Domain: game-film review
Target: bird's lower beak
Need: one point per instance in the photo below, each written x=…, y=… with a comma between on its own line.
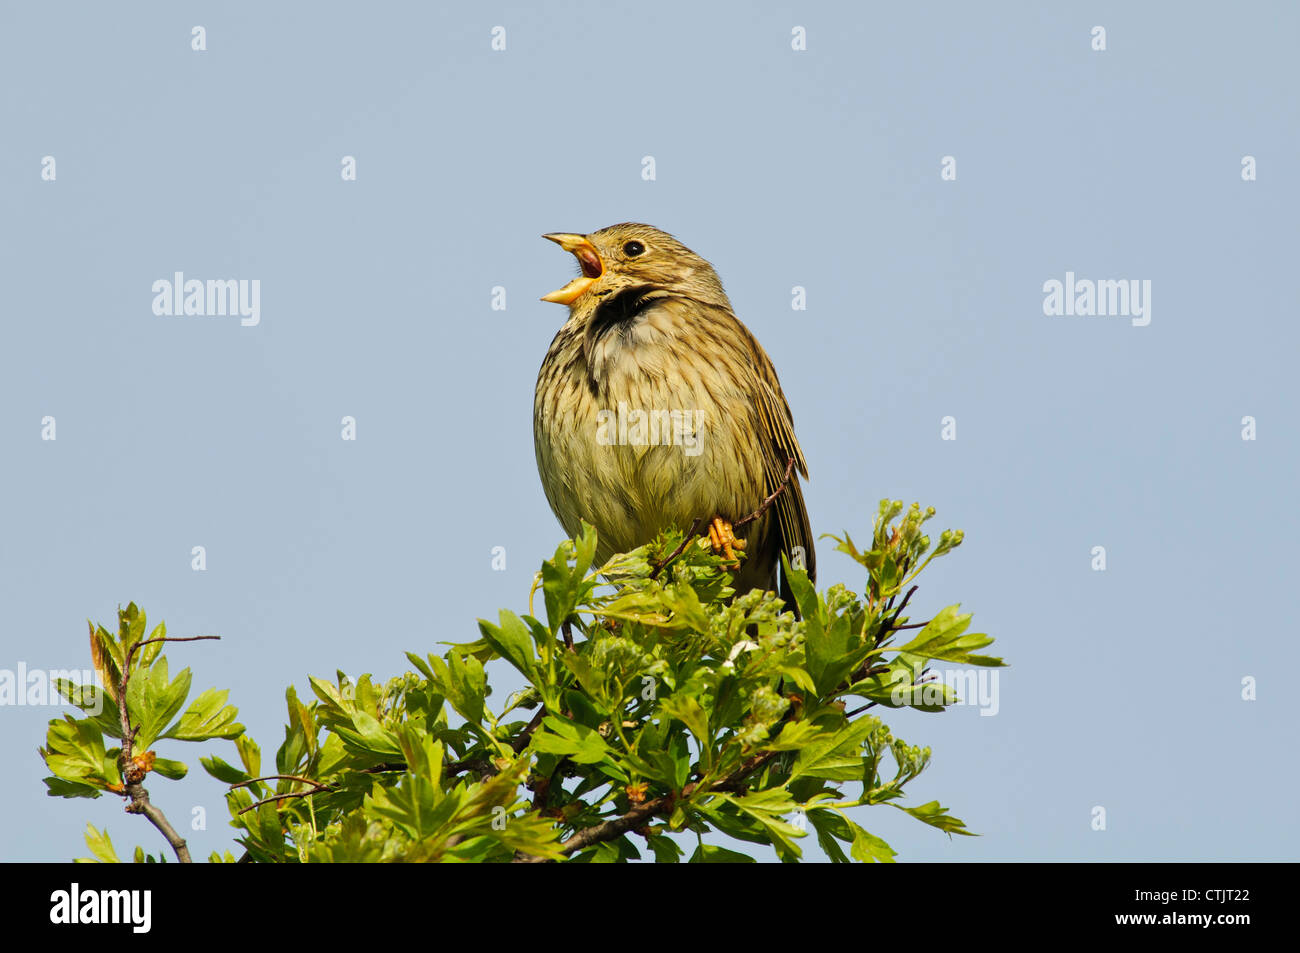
x=592, y=268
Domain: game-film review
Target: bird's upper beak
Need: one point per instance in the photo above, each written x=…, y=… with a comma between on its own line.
x=592, y=267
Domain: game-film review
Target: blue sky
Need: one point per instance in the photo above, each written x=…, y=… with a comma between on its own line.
x=818, y=168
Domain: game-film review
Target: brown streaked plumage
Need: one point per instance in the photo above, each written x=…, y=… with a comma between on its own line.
x=651, y=329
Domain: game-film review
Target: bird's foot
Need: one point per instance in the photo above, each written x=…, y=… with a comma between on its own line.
x=724, y=541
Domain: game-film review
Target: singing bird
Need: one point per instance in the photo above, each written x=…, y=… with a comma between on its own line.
x=656, y=406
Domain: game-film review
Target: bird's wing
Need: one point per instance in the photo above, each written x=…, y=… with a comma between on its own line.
x=778, y=449
x=791, y=514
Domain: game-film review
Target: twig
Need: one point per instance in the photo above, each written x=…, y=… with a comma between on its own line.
x=919, y=680
x=386, y=766
x=771, y=497
x=890, y=625
x=320, y=785
x=543, y=789
x=126, y=667
x=700, y=522
x=520, y=741
x=609, y=830
x=132, y=774
x=616, y=827
x=690, y=534
x=140, y=804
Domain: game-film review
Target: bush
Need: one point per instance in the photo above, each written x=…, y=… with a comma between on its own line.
x=656, y=704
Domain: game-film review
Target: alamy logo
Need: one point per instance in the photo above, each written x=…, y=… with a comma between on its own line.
x=44, y=686
x=1105, y=297
x=955, y=686
x=633, y=427
x=216, y=296
x=134, y=907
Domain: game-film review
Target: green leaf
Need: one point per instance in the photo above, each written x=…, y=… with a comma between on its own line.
x=690, y=713
x=511, y=641
x=461, y=681
x=936, y=816
x=769, y=808
x=831, y=828
x=582, y=710
x=101, y=845
x=713, y=854
x=170, y=769
x=584, y=549
x=423, y=666
x=825, y=646
x=61, y=787
x=207, y=717
x=558, y=589
x=154, y=700
x=810, y=605
x=250, y=755
x=269, y=831
x=671, y=767
x=95, y=701
x=798, y=735
x=799, y=676
x=565, y=588
x=74, y=751
x=868, y=848
x=838, y=757
x=372, y=736
x=665, y=849
x=414, y=804
x=684, y=608
x=223, y=772
x=942, y=639
x=895, y=689
x=578, y=742
x=846, y=545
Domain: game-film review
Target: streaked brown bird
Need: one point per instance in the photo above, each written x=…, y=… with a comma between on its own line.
x=656, y=407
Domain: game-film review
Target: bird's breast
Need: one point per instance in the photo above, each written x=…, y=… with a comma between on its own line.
x=642, y=432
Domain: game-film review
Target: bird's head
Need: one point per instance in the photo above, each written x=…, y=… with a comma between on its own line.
x=631, y=256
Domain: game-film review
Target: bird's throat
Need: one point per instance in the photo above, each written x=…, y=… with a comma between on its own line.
x=623, y=307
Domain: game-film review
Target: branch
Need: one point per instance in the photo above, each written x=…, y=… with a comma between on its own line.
x=891, y=625
x=317, y=786
x=385, y=766
x=613, y=828
x=893, y=619
x=280, y=777
x=616, y=827
x=771, y=498
x=690, y=534
x=133, y=771
x=140, y=804
x=701, y=521
x=520, y=741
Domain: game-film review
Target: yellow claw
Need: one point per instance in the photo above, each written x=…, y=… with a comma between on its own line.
x=724, y=542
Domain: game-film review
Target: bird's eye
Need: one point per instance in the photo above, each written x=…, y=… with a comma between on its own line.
x=632, y=249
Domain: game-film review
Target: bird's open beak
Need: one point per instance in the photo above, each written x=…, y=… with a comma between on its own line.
x=592, y=268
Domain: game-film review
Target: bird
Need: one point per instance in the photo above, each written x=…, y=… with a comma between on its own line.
x=656, y=408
